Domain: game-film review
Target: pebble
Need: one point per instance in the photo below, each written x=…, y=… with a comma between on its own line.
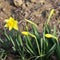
x=18, y=3
x=58, y=4
x=37, y=1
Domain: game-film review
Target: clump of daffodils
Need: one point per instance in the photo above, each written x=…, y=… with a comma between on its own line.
x=11, y=23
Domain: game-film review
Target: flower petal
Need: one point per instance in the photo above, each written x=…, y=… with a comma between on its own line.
x=15, y=27
x=10, y=28
x=6, y=25
x=6, y=20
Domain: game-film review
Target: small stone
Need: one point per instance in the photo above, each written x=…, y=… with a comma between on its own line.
x=58, y=4
x=33, y=0
x=37, y=1
x=18, y=2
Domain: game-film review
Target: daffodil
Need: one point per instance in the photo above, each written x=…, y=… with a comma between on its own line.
x=48, y=35
x=51, y=13
x=28, y=33
x=11, y=23
x=32, y=35
x=25, y=33
x=51, y=36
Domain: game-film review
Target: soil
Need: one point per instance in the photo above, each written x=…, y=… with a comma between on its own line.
x=35, y=10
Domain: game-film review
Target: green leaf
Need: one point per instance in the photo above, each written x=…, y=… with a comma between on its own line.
x=19, y=39
x=51, y=50
x=32, y=23
x=1, y=41
x=28, y=47
x=12, y=41
x=6, y=35
x=58, y=50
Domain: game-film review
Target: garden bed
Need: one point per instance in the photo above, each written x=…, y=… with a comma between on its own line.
x=32, y=10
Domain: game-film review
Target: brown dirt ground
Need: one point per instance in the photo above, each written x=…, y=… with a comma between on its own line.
x=35, y=10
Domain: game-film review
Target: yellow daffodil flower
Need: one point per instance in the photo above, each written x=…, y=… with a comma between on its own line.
x=25, y=33
x=28, y=33
x=51, y=13
x=48, y=35
x=11, y=23
x=51, y=36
